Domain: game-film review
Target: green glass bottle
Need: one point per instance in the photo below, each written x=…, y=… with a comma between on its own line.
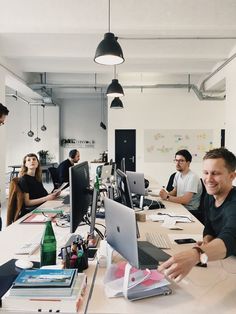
x=96, y=184
x=48, y=247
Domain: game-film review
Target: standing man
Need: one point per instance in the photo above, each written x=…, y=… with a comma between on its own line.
x=63, y=168
x=219, y=234
x=187, y=185
x=3, y=113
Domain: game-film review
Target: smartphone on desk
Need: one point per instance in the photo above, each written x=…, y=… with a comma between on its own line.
x=185, y=241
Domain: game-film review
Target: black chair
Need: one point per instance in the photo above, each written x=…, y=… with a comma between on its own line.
x=169, y=186
x=200, y=212
x=55, y=178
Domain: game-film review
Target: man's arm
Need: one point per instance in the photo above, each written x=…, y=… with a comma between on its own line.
x=171, y=196
x=180, y=264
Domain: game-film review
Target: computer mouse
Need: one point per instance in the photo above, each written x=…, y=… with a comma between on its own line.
x=23, y=264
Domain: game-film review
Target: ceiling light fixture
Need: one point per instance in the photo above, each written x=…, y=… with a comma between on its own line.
x=37, y=139
x=102, y=124
x=30, y=133
x=116, y=103
x=109, y=51
x=115, y=89
x=43, y=127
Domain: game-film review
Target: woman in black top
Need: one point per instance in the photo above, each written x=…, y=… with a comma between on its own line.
x=30, y=182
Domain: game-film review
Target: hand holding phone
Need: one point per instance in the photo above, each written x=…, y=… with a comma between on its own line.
x=185, y=241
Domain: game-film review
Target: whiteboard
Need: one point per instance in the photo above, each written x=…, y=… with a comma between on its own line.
x=161, y=145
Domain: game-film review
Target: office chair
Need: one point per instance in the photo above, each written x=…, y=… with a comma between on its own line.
x=169, y=186
x=200, y=212
x=15, y=203
x=55, y=178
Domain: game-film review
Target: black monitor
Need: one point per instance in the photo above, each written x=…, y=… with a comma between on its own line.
x=93, y=212
x=124, y=192
x=80, y=195
x=122, y=165
x=123, y=188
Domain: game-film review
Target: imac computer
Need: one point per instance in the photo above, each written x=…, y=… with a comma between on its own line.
x=80, y=194
x=137, y=185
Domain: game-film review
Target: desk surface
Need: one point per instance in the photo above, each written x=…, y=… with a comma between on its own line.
x=19, y=233
x=202, y=291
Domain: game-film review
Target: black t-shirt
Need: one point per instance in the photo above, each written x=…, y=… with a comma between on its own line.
x=29, y=184
x=63, y=171
x=221, y=221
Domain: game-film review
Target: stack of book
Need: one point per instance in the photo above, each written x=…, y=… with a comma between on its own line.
x=56, y=290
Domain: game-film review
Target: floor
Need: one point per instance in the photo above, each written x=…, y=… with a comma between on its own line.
x=48, y=187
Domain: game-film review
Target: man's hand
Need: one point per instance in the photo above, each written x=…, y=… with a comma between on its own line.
x=163, y=194
x=179, y=265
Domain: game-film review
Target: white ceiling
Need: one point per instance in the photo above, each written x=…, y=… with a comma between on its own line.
x=59, y=38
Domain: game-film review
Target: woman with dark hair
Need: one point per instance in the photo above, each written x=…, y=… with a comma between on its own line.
x=30, y=182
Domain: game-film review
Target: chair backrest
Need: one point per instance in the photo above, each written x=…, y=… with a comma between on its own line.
x=201, y=207
x=169, y=186
x=54, y=176
x=15, y=201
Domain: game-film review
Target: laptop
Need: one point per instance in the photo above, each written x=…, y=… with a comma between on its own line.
x=106, y=172
x=122, y=237
x=136, y=182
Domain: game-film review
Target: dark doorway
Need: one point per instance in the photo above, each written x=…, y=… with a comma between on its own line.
x=125, y=147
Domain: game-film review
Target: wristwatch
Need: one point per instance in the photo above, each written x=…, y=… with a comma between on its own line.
x=203, y=255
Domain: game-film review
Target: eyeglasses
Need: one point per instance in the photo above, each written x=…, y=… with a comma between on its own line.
x=180, y=161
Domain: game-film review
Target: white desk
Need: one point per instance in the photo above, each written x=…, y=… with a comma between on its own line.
x=19, y=233
x=204, y=290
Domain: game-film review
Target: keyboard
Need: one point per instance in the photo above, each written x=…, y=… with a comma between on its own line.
x=159, y=240
x=28, y=248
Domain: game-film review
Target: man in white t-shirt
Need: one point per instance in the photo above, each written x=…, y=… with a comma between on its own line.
x=187, y=185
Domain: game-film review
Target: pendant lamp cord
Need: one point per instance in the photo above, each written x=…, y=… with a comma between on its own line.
x=109, y=16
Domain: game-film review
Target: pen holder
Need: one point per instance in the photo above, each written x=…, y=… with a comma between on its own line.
x=75, y=256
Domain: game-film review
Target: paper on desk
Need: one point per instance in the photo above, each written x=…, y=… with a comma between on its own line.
x=51, y=204
x=174, y=236
x=177, y=218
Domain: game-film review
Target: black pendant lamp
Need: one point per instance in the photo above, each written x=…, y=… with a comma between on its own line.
x=37, y=139
x=115, y=89
x=116, y=103
x=30, y=133
x=43, y=127
x=109, y=51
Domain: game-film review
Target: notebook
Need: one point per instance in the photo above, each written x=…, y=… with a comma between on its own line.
x=122, y=237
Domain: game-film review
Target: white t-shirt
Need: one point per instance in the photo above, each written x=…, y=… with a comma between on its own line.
x=189, y=182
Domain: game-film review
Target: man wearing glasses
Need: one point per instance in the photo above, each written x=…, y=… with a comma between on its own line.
x=3, y=113
x=187, y=185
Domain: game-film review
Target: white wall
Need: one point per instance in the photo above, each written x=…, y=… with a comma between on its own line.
x=231, y=106
x=80, y=119
x=18, y=143
x=164, y=109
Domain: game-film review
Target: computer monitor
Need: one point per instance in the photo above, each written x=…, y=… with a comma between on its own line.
x=123, y=188
x=80, y=195
x=93, y=212
x=106, y=172
x=122, y=165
